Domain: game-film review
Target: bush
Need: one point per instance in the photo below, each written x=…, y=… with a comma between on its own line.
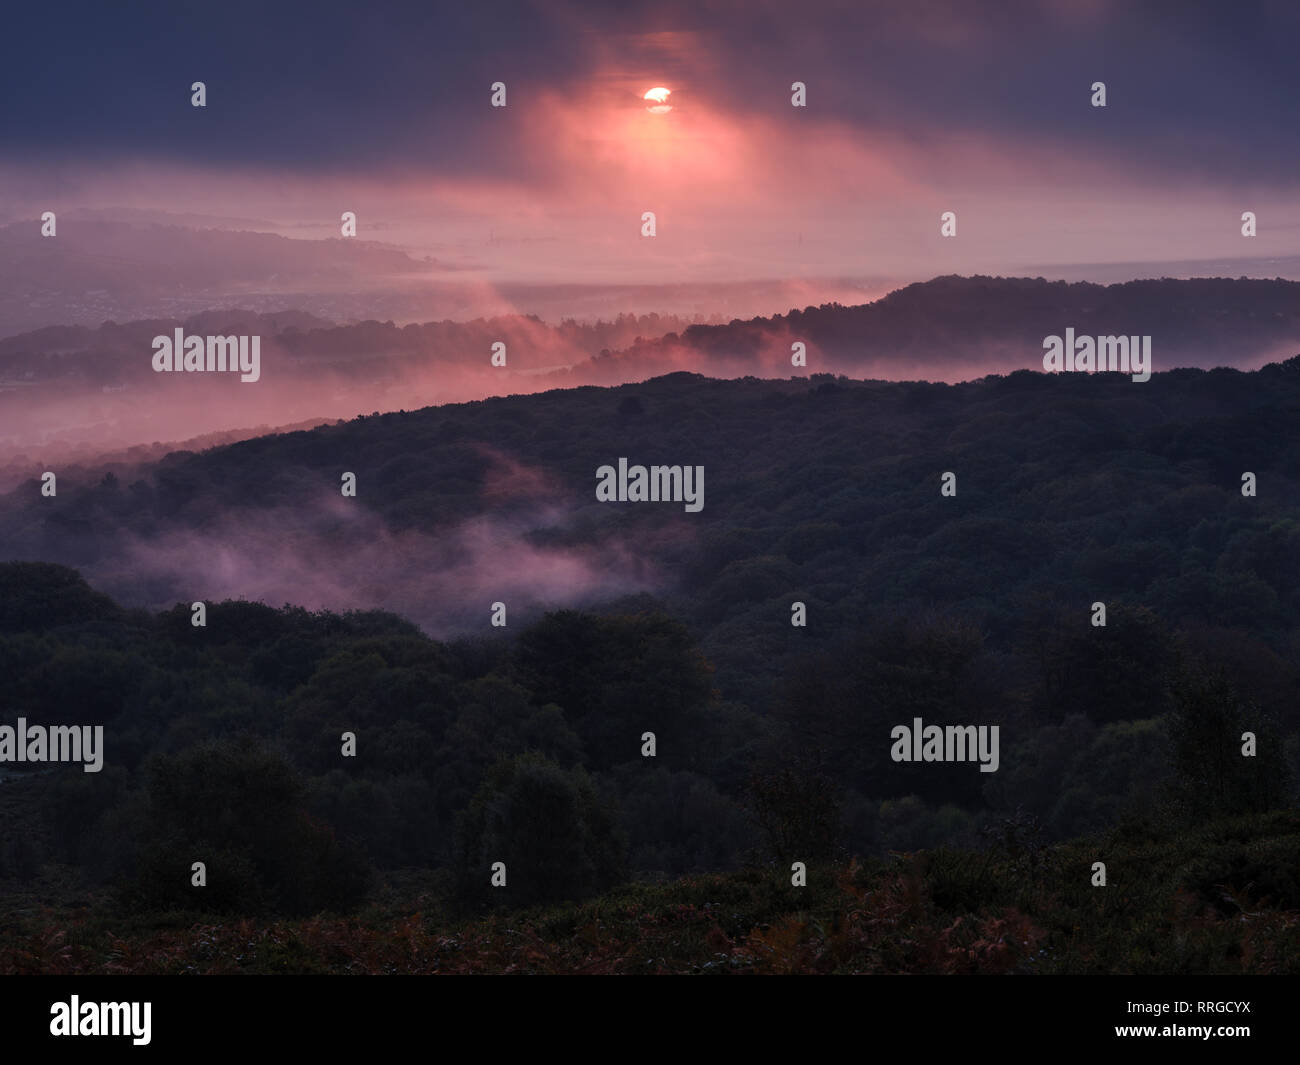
x=1211, y=776
x=545, y=823
x=239, y=809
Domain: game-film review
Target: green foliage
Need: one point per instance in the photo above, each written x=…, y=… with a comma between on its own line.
x=36, y=596
x=1211, y=775
x=678, y=821
x=546, y=824
x=239, y=809
x=1078, y=777
x=972, y=609
x=1177, y=902
x=840, y=705
x=617, y=677
x=797, y=810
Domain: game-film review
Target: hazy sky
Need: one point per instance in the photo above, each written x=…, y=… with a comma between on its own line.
x=914, y=107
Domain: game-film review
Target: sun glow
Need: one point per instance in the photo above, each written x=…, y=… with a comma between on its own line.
x=658, y=98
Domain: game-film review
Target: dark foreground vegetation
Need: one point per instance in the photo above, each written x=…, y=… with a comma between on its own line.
x=1222, y=898
x=380, y=863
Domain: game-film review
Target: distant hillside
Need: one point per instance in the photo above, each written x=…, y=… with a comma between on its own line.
x=68, y=389
x=65, y=390
x=122, y=265
x=93, y=270
x=956, y=328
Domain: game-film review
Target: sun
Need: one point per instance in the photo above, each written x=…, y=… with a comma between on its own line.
x=658, y=98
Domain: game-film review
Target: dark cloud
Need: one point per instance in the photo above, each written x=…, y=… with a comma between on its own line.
x=1197, y=89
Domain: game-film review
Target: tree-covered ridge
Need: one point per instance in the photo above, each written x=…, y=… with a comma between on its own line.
x=773, y=741
x=953, y=328
x=1071, y=490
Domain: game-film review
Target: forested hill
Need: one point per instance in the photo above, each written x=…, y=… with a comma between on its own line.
x=955, y=328
x=1069, y=489
x=976, y=607
x=948, y=328
x=68, y=391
